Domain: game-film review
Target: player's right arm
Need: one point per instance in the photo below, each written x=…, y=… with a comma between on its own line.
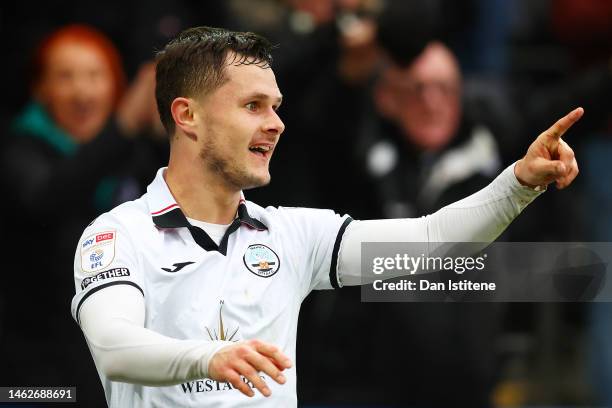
x=110, y=308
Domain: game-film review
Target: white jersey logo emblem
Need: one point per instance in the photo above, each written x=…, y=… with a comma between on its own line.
x=261, y=260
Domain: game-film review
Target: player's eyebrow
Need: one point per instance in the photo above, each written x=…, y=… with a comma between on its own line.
x=263, y=96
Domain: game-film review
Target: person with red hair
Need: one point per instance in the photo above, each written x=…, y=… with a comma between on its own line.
x=71, y=153
x=78, y=78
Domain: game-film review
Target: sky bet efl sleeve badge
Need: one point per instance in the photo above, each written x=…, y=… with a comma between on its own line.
x=97, y=251
x=261, y=260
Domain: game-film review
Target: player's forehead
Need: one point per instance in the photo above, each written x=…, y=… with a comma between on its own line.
x=246, y=79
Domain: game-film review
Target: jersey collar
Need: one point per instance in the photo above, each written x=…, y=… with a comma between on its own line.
x=166, y=213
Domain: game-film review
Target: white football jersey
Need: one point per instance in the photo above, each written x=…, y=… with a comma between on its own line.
x=249, y=286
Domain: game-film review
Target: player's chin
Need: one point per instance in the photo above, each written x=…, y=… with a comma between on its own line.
x=258, y=180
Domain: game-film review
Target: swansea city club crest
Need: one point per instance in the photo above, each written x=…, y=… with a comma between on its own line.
x=261, y=260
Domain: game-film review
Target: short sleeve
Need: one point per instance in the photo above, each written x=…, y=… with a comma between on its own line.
x=320, y=234
x=105, y=256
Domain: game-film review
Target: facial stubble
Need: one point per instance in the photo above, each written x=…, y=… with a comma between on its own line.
x=225, y=167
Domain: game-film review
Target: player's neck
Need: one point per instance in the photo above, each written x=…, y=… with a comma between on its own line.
x=201, y=199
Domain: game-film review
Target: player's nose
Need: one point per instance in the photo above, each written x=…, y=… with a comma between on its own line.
x=274, y=124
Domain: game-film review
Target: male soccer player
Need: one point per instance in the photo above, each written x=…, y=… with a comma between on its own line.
x=189, y=296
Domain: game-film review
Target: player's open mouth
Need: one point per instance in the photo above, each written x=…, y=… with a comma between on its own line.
x=262, y=150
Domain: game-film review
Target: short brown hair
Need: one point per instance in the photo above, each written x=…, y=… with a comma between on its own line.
x=194, y=63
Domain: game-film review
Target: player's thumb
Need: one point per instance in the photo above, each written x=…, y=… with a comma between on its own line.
x=550, y=168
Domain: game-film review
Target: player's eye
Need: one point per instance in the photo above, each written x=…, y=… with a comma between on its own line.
x=252, y=106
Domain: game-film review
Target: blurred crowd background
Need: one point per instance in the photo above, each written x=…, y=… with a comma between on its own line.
x=393, y=108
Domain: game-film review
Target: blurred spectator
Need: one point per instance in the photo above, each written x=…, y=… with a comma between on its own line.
x=420, y=149
x=412, y=157
x=67, y=158
x=414, y=151
x=432, y=144
x=137, y=27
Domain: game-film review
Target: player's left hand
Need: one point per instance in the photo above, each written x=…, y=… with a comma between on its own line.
x=549, y=158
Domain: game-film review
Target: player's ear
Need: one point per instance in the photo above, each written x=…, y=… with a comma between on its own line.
x=183, y=113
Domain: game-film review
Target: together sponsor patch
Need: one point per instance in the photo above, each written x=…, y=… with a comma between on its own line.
x=97, y=251
x=109, y=274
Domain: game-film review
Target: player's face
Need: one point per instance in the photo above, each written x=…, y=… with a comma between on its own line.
x=77, y=89
x=240, y=126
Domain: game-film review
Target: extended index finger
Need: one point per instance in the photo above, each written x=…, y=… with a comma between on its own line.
x=560, y=127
